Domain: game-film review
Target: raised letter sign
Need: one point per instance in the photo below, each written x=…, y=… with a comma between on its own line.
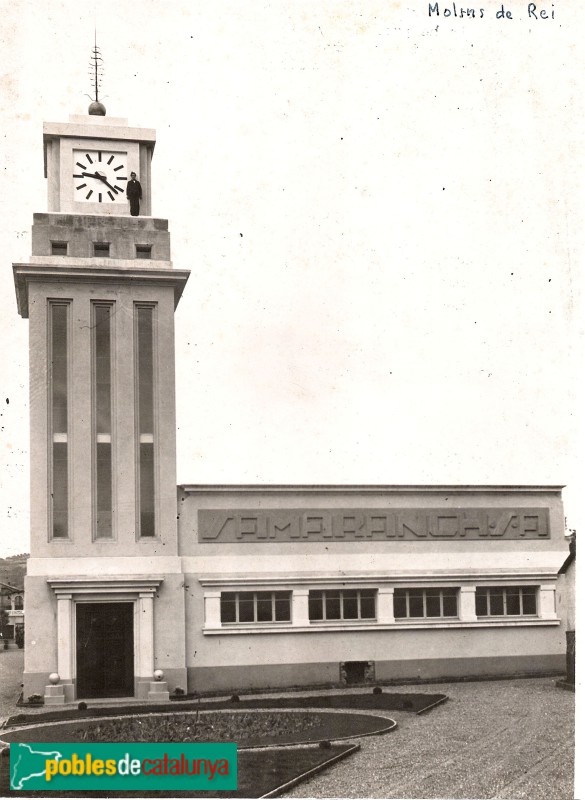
x=373, y=524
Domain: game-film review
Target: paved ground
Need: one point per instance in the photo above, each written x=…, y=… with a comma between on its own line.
x=500, y=739
x=11, y=665
x=493, y=739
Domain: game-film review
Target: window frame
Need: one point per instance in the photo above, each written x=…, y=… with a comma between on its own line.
x=340, y=592
x=533, y=589
x=144, y=252
x=408, y=617
x=255, y=593
x=101, y=249
x=59, y=247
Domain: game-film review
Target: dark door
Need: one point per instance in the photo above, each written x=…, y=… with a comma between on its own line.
x=105, y=649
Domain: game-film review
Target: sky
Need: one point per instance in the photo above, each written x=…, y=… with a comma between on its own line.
x=382, y=212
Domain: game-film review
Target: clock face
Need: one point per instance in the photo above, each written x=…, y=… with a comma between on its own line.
x=99, y=176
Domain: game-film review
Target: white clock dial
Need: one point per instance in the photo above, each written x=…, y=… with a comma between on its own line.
x=99, y=176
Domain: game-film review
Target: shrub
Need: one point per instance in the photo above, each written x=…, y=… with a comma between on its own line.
x=325, y=744
x=179, y=692
x=35, y=699
x=377, y=690
x=82, y=706
x=235, y=698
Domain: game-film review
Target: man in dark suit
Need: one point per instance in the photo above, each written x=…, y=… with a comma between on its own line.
x=134, y=194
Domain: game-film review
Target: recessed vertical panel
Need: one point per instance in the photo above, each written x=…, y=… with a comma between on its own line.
x=146, y=488
x=59, y=418
x=102, y=420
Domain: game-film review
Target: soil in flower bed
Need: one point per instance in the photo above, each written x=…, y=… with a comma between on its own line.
x=210, y=727
x=259, y=773
x=386, y=701
x=247, y=728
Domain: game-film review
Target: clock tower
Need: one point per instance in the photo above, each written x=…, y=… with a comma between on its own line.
x=100, y=291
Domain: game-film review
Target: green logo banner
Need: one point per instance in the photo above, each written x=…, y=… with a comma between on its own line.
x=59, y=767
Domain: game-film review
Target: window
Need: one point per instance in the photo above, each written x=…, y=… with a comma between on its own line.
x=58, y=248
x=505, y=601
x=425, y=603
x=143, y=251
x=342, y=604
x=58, y=415
x=101, y=249
x=250, y=607
x=18, y=605
x=102, y=417
x=144, y=342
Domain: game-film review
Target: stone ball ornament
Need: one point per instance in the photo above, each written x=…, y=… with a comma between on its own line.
x=54, y=678
x=158, y=674
x=97, y=109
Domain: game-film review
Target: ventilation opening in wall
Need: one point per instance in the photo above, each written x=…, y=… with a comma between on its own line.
x=58, y=248
x=101, y=249
x=357, y=672
x=143, y=251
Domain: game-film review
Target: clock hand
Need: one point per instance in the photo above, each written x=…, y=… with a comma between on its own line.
x=99, y=177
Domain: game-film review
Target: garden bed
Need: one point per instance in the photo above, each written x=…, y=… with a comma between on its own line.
x=247, y=728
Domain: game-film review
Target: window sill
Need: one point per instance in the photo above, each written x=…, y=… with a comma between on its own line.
x=322, y=627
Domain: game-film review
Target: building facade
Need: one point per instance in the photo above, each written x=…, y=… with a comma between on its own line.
x=228, y=587
x=11, y=613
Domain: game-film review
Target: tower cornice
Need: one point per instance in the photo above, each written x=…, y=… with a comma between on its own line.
x=124, y=272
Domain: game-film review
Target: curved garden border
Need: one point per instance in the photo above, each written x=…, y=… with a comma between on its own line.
x=52, y=731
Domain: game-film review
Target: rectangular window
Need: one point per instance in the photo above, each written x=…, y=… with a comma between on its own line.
x=58, y=248
x=144, y=339
x=143, y=251
x=101, y=249
x=59, y=413
x=505, y=601
x=342, y=604
x=102, y=420
x=251, y=607
x=425, y=603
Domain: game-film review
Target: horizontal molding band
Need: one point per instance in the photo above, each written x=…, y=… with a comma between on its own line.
x=457, y=579
x=368, y=488
x=398, y=626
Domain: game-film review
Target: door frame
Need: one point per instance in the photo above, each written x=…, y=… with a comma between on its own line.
x=139, y=591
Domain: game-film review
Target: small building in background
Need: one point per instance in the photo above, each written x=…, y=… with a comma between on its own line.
x=567, y=604
x=11, y=612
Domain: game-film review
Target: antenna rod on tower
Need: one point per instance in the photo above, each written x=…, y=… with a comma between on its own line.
x=95, y=72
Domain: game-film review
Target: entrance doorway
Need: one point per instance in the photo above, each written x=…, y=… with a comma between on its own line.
x=105, y=649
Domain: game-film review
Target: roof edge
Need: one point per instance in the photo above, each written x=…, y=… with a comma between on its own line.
x=370, y=488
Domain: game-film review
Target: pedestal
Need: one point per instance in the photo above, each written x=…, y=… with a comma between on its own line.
x=158, y=691
x=54, y=695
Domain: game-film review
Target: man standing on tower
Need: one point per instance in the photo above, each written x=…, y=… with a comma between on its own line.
x=134, y=194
